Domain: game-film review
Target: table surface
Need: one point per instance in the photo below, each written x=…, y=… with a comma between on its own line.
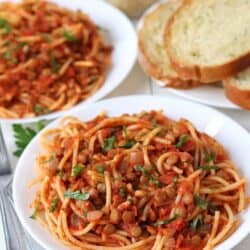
x=136, y=83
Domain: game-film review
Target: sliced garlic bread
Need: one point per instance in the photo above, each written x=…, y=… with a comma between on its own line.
x=208, y=40
x=237, y=89
x=152, y=54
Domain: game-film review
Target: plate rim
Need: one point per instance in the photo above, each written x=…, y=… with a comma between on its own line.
x=101, y=93
x=161, y=100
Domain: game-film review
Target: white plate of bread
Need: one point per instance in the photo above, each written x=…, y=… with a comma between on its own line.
x=199, y=49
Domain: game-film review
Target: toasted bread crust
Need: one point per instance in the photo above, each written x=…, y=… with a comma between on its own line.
x=238, y=96
x=197, y=72
x=152, y=69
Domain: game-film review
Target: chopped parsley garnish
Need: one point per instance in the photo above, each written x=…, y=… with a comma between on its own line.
x=9, y=56
x=60, y=173
x=4, y=24
x=210, y=157
x=54, y=63
x=100, y=169
x=33, y=216
x=196, y=222
x=147, y=174
x=109, y=143
x=175, y=179
x=54, y=205
x=199, y=202
x=77, y=169
x=122, y=192
x=77, y=195
x=207, y=167
x=69, y=36
x=166, y=222
x=128, y=144
x=23, y=135
x=40, y=109
x=93, y=79
x=50, y=159
x=182, y=140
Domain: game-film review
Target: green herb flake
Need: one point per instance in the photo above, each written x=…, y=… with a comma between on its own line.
x=40, y=109
x=175, y=179
x=92, y=80
x=77, y=169
x=100, y=169
x=166, y=222
x=54, y=63
x=182, y=140
x=4, y=24
x=60, y=173
x=128, y=144
x=9, y=56
x=199, y=202
x=196, y=223
x=122, y=192
x=147, y=174
x=77, y=195
x=50, y=159
x=23, y=135
x=109, y=143
x=208, y=167
x=125, y=132
x=210, y=157
x=33, y=216
x=54, y=205
x=69, y=36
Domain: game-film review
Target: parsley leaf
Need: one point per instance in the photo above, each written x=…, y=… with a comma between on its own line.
x=199, y=202
x=69, y=36
x=196, y=222
x=109, y=143
x=77, y=169
x=77, y=195
x=23, y=135
x=210, y=157
x=33, y=216
x=54, y=63
x=182, y=140
x=51, y=158
x=147, y=174
x=40, y=109
x=122, y=192
x=54, y=205
x=100, y=169
x=4, y=24
x=167, y=221
x=207, y=167
x=9, y=56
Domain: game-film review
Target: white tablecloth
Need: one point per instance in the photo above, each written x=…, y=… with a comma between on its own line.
x=136, y=83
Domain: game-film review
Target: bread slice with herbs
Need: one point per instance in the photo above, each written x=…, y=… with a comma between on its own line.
x=208, y=40
x=237, y=89
x=152, y=54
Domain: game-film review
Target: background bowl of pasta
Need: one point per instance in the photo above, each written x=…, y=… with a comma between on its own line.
x=60, y=55
x=219, y=190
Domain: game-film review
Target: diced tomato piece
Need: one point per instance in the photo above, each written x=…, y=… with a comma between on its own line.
x=178, y=224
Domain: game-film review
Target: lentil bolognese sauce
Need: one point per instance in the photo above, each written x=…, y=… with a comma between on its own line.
x=51, y=58
x=139, y=181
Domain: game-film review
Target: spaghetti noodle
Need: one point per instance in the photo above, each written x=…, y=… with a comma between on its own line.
x=50, y=58
x=137, y=182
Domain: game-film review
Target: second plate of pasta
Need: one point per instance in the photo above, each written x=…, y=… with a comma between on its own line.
x=60, y=55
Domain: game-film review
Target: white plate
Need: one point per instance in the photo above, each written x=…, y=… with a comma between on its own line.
x=210, y=95
x=224, y=129
x=121, y=35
